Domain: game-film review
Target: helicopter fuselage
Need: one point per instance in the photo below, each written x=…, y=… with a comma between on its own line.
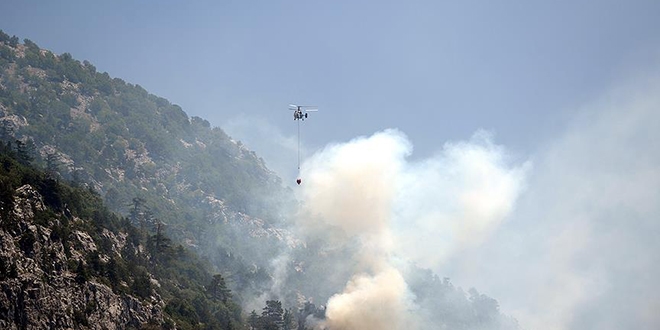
x=298, y=114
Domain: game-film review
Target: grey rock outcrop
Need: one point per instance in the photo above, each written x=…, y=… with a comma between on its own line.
x=39, y=286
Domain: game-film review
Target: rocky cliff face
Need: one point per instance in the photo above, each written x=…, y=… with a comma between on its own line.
x=213, y=193
x=40, y=286
x=139, y=151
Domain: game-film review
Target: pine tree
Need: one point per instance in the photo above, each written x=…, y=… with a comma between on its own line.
x=253, y=320
x=218, y=289
x=273, y=315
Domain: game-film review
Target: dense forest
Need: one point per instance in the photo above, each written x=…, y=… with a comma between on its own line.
x=139, y=151
x=121, y=254
x=139, y=262
x=205, y=221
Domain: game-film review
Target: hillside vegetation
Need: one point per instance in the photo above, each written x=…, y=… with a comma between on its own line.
x=161, y=211
x=68, y=262
x=145, y=157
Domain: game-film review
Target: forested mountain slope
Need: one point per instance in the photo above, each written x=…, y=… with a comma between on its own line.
x=175, y=176
x=67, y=262
x=144, y=155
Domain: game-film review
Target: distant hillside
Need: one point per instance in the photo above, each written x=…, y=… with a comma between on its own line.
x=143, y=142
x=67, y=262
x=168, y=174
x=140, y=151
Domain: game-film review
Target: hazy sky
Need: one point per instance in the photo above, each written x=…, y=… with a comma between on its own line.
x=555, y=197
x=437, y=70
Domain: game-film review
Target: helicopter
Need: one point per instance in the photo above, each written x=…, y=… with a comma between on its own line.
x=300, y=112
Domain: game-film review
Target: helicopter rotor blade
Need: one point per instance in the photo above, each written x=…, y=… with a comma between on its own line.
x=303, y=107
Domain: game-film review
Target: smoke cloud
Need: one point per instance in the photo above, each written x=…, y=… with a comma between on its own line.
x=419, y=211
x=455, y=200
x=379, y=301
x=583, y=245
x=563, y=238
x=352, y=186
x=570, y=242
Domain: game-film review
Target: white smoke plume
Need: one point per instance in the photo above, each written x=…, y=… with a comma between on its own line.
x=456, y=199
x=568, y=243
x=392, y=208
x=352, y=186
x=379, y=301
x=582, y=246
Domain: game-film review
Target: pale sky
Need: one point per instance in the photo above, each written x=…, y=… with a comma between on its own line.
x=437, y=70
x=569, y=91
